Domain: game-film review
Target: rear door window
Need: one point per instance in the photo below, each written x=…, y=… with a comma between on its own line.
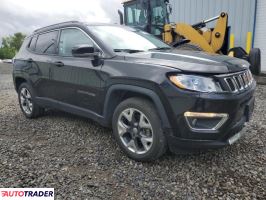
x=46, y=43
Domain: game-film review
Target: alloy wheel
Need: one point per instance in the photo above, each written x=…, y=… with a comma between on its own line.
x=26, y=101
x=135, y=130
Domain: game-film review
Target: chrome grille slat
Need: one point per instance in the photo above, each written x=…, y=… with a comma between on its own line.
x=238, y=82
x=244, y=80
x=249, y=77
x=235, y=83
x=241, y=82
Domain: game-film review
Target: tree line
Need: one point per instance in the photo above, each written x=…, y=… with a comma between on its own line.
x=10, y=45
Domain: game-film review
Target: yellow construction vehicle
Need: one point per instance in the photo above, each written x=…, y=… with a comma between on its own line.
x=206, y=39
x=152, y=16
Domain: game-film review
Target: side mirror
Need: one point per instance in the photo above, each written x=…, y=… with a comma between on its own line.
x=85, y=50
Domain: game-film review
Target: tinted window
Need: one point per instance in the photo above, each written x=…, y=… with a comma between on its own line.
x=33, y=43
x=70, y=38
x=46, y=43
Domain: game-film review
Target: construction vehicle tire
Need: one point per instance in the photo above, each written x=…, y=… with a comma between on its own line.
x=238, y=52
x=188, y=47
x=255, y=61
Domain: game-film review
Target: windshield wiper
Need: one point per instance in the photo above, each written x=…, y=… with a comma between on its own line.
x=128, y=50
x=160, y=48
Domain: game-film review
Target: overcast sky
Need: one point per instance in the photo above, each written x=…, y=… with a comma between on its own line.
x=28, y=15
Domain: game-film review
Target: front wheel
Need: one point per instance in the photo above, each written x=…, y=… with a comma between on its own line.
x=137, y=129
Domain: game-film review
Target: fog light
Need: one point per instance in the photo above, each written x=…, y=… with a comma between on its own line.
x=205, y=121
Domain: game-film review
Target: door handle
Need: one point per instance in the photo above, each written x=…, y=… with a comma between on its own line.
x=59, y=64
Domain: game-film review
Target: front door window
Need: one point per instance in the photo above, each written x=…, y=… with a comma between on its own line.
x=70, y=38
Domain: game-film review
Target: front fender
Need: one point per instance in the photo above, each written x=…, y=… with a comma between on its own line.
x=136, y=89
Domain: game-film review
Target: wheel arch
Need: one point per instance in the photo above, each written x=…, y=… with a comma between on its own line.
x=118, y=93
x=18, y=81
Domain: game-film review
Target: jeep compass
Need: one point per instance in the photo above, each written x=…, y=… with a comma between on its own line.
x=154, y=97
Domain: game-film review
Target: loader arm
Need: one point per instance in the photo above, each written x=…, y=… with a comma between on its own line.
x=218, y=33
x=208, y=40
x=194, y=36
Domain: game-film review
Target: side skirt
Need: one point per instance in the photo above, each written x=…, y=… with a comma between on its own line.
x=47, y=102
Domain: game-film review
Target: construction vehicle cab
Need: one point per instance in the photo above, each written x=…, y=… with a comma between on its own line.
x=152, y=16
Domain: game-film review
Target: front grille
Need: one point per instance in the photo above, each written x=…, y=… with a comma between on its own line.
x=238, y=82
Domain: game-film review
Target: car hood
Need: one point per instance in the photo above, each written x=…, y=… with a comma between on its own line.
x=190, y=61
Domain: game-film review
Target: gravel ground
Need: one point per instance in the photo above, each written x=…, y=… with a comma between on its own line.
x=81, y=160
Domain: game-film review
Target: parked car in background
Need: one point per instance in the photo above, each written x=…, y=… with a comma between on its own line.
x=1, y=61
x=7, y=61
x=153, y=96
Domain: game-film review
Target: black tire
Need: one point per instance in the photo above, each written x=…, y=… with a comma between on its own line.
x=36, y=110
x=255, y=61
x=188, y=47
x=158, y=146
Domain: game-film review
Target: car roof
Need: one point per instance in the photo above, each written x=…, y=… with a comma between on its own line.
x=82, y=25
x=69, y=23
x=55, y=26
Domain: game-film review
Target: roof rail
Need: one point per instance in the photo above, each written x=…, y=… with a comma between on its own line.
x=62, y=23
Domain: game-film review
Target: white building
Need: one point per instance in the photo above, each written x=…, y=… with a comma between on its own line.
x=246, y=17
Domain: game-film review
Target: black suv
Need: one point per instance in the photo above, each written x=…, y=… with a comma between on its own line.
x=153, y=96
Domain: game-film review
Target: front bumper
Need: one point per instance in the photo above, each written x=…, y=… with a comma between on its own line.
x=181, y=144
x=180, y=136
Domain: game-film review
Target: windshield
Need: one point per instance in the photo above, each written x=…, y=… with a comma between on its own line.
x=120, y=38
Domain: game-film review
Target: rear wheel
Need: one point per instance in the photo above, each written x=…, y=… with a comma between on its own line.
x=138, y=131
x=27, y=101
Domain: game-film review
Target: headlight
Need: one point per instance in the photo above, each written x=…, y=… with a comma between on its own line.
x=195, y=83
